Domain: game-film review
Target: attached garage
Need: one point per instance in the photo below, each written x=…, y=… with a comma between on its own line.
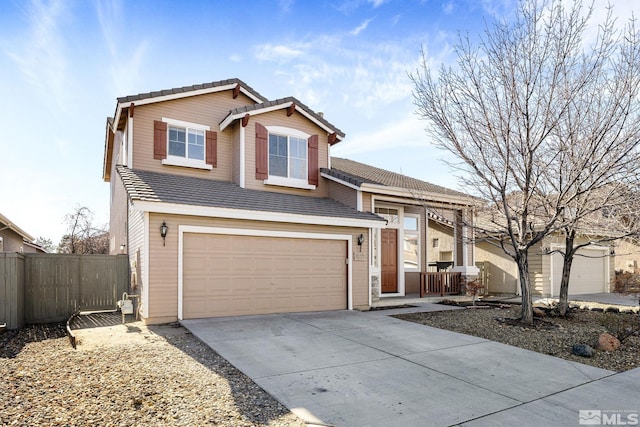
x=245, y=272
x=589, y=272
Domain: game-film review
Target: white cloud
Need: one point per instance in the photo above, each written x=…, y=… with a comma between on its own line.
x=41, y=53
x=408, y=132
x=360, y=28
x=377, y=3
x=126, y=58
x=285, y=5
x=235, y=58
x=448, y=7
x=279, y=52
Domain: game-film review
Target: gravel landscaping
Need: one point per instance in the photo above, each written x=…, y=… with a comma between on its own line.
x=126, y=375
x=162, y=375
x=552, y=335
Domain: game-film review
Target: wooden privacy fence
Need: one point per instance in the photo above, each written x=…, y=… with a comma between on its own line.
x=440, y=283
x=42, y=288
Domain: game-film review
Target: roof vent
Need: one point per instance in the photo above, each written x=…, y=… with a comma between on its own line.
x=321, y=114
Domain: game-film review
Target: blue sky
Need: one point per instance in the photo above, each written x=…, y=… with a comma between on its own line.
x=63, y=63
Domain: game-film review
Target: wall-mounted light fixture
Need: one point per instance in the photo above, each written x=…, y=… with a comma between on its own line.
x=360, y=241
x=122, y=247
x=163, y=232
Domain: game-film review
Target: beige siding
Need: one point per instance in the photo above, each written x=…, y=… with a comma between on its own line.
x=444, y=234
x=11, y=241
x=539, y=271
x=366, y=202
x=296, y=121
x=117, y=215
x=345, y=195
x=235, y=172
x=209, y=109
x=163, y=260
x=502, y=270
x=136, y=250
x=627, y=256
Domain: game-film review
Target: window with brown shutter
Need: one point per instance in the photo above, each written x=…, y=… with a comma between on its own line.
x=313, y=160
x=262, y=152
x=212, y=148
x=159, y=140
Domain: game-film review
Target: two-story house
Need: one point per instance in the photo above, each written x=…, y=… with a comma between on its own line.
x=230, y=204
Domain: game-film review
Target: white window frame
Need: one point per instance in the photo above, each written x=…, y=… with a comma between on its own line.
x=185, y=161
x=415, y=233
x=287, y=181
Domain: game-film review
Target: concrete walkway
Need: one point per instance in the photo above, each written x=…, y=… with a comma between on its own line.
x=347, y=368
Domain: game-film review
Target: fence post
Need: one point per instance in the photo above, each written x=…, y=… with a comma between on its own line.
x=12, y=290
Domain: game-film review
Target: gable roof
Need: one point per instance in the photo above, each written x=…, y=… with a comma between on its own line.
x=165, y=188
x=279, y=104
x=6, y=223
x=359, y=174
x=179, y=92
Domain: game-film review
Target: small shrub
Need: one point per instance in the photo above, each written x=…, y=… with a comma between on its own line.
x=622, y=326
x=474, y=288
x=626, y=282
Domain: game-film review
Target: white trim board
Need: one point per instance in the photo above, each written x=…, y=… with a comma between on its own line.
x=209, y=211
x=182, y=229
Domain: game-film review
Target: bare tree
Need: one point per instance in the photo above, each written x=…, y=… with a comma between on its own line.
x=45, y=244
x=536, y=119
x=82, y=236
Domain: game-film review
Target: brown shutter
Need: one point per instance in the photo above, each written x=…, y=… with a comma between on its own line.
x=262, y=152
x=313, y=160
x=159, y=140
x=212, y=148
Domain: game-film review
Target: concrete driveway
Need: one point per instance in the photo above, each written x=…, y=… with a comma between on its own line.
x=347, y=368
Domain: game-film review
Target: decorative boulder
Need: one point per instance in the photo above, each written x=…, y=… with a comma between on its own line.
x=582, y=350
x=537, y=312
x=607, y=342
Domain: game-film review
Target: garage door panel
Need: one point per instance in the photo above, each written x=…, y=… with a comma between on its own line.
x=226, y=275
x=588, y=272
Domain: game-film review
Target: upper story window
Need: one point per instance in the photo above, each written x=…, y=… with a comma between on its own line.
x=180, y=143
x=287, y=156
x=186, y=142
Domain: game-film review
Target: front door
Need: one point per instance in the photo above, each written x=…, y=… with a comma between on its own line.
x=389, y=237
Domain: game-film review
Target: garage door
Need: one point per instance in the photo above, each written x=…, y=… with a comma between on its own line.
x=232, y=275
x=588, y=272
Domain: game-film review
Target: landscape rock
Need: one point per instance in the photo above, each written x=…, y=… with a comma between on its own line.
x=537, y=312
x=607, y=342
x=582, y=350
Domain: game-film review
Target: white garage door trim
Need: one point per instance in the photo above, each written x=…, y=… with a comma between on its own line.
x=182, y=229
x=605, y=258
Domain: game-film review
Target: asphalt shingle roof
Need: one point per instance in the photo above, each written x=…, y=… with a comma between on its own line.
x=186, y=89
x=159, y=187
x=359, y=173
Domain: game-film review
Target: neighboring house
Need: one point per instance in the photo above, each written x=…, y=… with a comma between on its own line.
x=592, y=270
x=230, y=204
x=627, y=257
x=15, y=239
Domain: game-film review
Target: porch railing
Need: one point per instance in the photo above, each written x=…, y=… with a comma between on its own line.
x=440, y=283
